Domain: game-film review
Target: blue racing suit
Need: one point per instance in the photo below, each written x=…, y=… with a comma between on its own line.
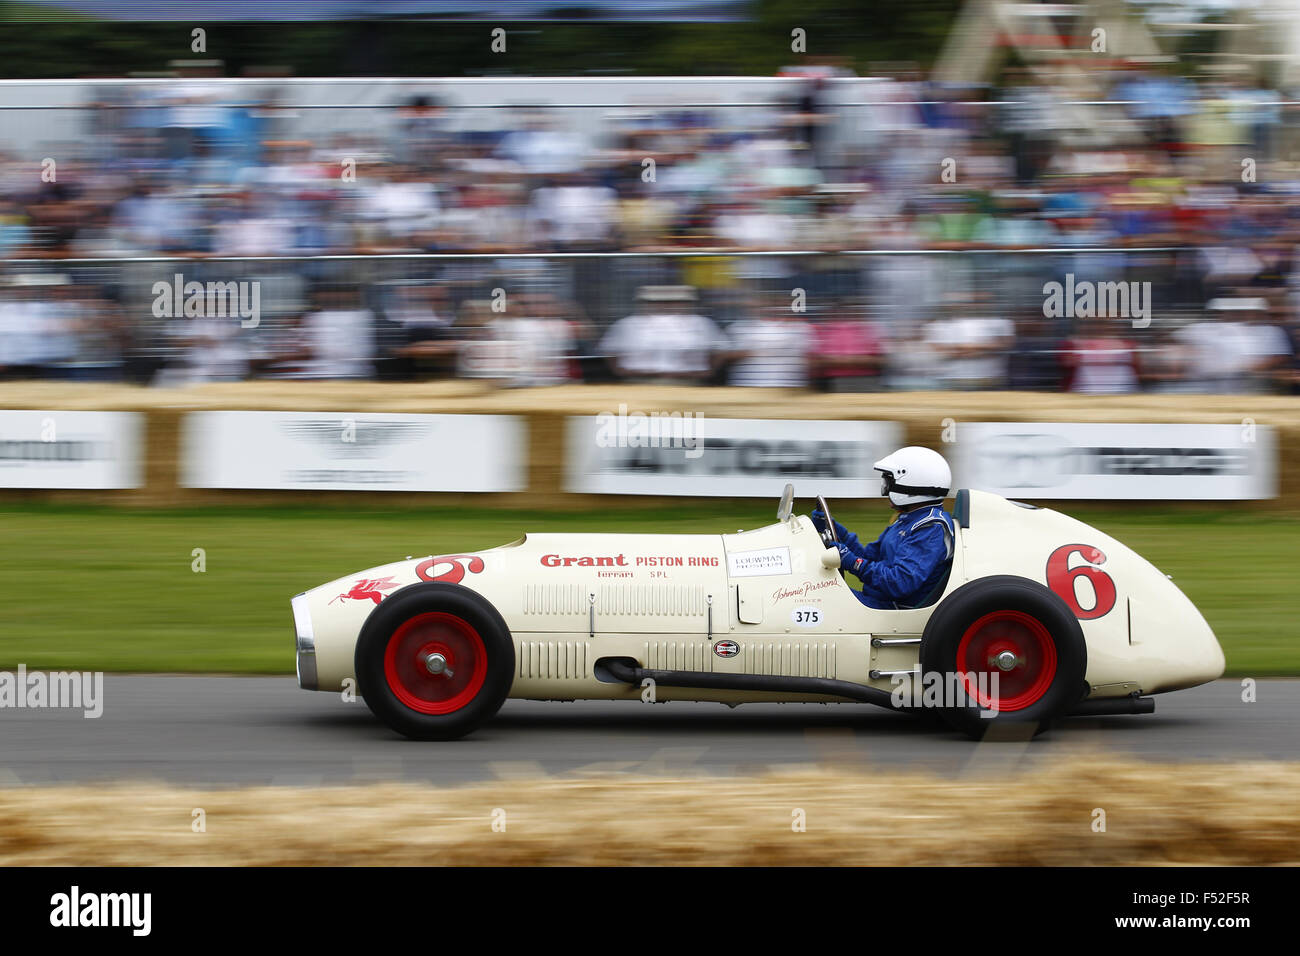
x=904, y=564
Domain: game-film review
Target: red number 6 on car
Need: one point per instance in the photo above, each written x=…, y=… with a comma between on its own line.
x=1062, y=579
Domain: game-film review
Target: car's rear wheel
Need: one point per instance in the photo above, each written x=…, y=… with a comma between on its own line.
x=434, y=661
x=1010, y=652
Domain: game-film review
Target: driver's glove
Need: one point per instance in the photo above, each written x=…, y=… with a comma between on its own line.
x=849, y=561
x=842, y=533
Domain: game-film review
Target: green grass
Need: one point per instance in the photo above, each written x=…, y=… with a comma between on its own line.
x=110, y=589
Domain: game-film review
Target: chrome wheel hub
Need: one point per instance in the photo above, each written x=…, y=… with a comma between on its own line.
x=1005, y=661
x=437, y=664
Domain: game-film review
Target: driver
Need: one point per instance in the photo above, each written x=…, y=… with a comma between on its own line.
x=901, y=567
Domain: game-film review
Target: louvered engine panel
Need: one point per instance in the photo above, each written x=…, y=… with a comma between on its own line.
x=789, y=658
x=552, y=660
x=679, y=655
x=622, y=608
x=651, y=600
x=554, y=599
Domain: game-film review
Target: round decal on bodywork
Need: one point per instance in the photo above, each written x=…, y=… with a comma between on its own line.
x=726, y=648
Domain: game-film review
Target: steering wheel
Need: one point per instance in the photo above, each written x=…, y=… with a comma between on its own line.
x=829, y=537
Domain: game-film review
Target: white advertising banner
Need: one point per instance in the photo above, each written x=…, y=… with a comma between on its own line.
x=343, y=451
x=637, y=454
x=59, y=449
x=1116, y=461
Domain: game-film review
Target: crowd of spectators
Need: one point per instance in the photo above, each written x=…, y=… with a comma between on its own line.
x=899, y=242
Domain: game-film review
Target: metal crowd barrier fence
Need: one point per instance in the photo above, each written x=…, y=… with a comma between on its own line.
x=900, y=289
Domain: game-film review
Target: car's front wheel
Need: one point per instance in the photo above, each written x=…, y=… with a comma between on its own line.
x=434, y=661
x=1011, y=651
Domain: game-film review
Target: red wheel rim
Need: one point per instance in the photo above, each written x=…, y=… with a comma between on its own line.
x=1023, y=677
x=455, y=648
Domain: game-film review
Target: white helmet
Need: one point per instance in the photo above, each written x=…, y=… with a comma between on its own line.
x=914, y=476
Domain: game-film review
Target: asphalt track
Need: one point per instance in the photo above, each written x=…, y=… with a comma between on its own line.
x=219, y=731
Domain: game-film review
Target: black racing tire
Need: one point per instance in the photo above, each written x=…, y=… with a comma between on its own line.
x=987, y=619
x=430, y=621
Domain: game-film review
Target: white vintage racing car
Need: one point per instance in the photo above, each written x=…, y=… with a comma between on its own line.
x=1040, y=616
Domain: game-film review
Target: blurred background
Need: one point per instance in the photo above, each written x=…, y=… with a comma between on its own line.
x=874, y=205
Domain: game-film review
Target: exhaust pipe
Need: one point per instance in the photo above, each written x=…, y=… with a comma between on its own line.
x=626, y=671
x=1105, y=706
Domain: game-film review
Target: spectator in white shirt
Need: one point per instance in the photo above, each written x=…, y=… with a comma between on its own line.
x=970, y=353
x=747, y=225
x=529, y=345
x=340, y=336
x=666, y=341
x=402, y=203
x=545, y=147
x=772, y=350
x=576, y=212
x=250, y=232
x=1230, y=352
